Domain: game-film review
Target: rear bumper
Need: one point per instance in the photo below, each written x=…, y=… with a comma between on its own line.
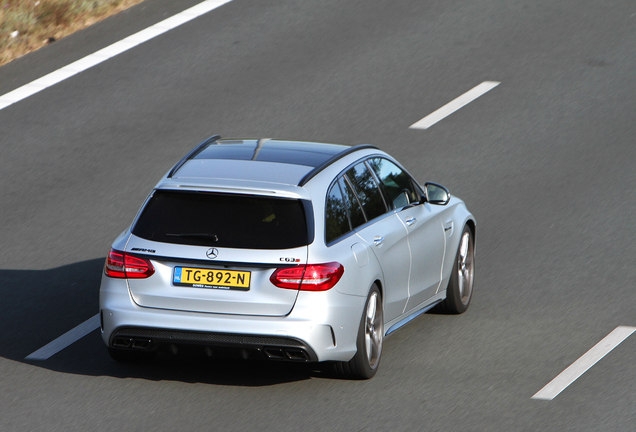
x=322, y=326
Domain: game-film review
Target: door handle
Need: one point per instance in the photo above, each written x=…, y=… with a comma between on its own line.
x=411, y=221
x=378, y=241
x=448, y=228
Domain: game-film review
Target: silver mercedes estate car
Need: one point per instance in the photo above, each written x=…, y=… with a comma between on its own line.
x=285, y=250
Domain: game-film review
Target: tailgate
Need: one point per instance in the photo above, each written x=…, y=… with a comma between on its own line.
x=236, y=281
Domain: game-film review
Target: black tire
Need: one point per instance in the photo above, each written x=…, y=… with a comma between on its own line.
x=129, y=356
x=366, y=361
x=460, y=286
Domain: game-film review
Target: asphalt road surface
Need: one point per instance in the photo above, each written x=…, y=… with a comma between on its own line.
x=546, y=161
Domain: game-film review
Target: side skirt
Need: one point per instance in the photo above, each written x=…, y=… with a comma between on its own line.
x=417, y=311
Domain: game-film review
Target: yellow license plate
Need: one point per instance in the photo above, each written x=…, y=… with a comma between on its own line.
x=211, y=278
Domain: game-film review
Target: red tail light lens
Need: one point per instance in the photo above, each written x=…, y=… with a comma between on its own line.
x=310, y=277
x=122, y=265
x=115, y=264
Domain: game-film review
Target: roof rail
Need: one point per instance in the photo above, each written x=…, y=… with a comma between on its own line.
x=315, y=171
x=195, y=151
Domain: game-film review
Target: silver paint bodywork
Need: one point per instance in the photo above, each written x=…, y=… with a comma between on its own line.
x=411, y=265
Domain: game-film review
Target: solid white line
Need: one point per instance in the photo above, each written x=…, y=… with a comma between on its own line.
x=110, y=51
x=454, y=105
x=589, y=359
x=66, y=339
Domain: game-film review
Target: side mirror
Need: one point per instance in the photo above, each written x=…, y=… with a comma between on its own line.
x=436, y=194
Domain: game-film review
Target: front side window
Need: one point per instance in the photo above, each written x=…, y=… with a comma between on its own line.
x=397, y=183
x=223, y=220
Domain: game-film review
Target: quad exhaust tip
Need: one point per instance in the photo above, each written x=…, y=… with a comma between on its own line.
x=133, y=343
x=295, y=354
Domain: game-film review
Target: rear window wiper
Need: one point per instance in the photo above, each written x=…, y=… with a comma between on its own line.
x=207, y=236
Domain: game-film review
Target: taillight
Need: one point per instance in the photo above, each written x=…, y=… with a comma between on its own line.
x=310, y=277
x=122, y=265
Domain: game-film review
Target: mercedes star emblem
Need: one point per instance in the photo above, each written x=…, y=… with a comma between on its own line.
x=212, y=253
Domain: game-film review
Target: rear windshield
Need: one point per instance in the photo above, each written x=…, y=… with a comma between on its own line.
x=234, y=221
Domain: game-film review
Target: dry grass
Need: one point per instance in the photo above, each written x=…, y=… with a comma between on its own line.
x=26, y=25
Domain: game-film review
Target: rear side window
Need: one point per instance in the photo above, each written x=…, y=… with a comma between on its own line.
x=343, y=211
x=234, y=221
x=356, y=215
x=367, y=191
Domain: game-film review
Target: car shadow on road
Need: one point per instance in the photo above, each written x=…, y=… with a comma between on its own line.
x=38, y=306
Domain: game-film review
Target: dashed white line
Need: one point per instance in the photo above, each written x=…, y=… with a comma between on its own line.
x=454, y=105
x=110, y=51
x=66, y=339
x=589, y=359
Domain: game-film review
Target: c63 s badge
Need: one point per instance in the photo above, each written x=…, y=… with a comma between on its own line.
x=290, y=260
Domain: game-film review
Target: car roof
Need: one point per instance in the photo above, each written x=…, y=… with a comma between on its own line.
x=260, y=160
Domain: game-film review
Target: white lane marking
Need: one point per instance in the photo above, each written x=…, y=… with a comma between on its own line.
x=454, y=105
x=589, y=359
x=110, y=51
x=65, y=340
